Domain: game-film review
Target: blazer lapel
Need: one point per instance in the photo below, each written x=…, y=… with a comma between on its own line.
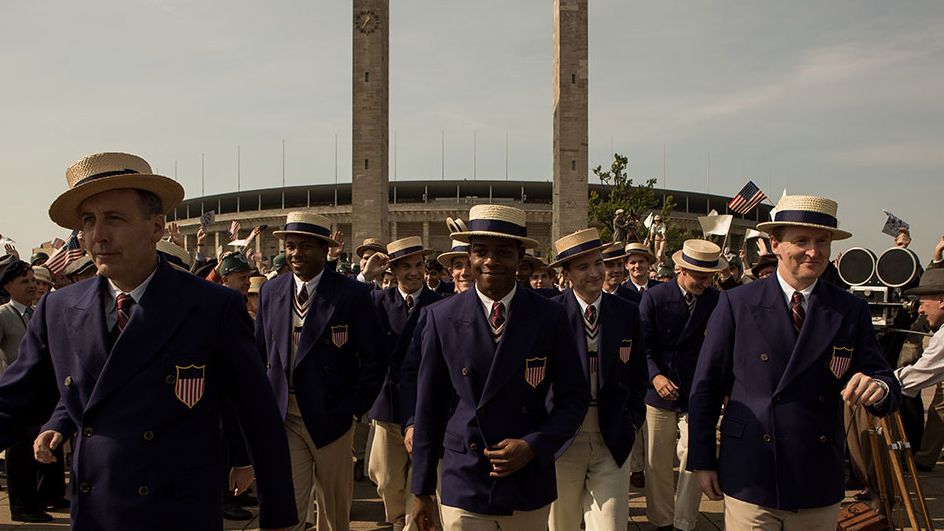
x=86, y=322
x=820, y=327
x=514, y=346
x=280, y=317
x=477, y=348
x=576, y=323
x=611, y=325
x=319, y=314
x=771, y=320
x=696, y=318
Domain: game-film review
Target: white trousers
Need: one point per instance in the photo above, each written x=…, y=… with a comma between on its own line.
x=666, y=504
x=591, y=487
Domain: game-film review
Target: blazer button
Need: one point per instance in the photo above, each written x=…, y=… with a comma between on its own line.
x=768, y=438
x=764, y=357
x=84, y=488
x=473, y=446
x=268, y=365
x=67, y=382
x=143, y=490
x=821, y=398
x=465, y=371
x=149, y=435
x=88, y=432
x=170, y=379
x=823, y=439
x=524, y=409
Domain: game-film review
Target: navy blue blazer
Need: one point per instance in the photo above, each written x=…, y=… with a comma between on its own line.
x=782, y=436
x=341, y=359
x=673, y=338
x=147, y=408
x=398, y=328
x=621, y=388
x=629, y=293
x=473, y=394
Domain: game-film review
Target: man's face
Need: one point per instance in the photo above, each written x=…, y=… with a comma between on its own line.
x=364, y=256
x=541, y=279
x=803, y=253
x=120, y=238
x=932, y=307
x=614, y=274
x=22, y=289
x=585, y=274
x=389, y=281
x=42, y=288
x=638, y=267
x=305, y=255
x=432, y=278
x=410, y=271
x=694, y=282
x=524, y=271
x=462, y=273
x=238, y=281
x=494, y=263
x=252, y=302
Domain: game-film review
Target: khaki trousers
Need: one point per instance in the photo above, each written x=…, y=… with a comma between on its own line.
x=743, y=516
x=666, y=505
x=329, y=469
x=637, y=456
x=455, y=519
x=933, y=439
x=590, y=487
x=389, y=467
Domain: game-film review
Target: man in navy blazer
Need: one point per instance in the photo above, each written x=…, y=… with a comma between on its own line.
x=490, y=357
x=674, y=316
x=399, y=308
x=639, y=260
x=139, y=363
x=784, y=352
x=593, y=471
x=321, y=337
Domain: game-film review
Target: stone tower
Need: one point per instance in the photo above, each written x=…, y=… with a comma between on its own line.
x=570, y=117
x=371, y=115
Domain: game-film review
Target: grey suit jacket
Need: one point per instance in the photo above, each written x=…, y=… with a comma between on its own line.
x=12, y=330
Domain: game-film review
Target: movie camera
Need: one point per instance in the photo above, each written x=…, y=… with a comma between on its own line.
x=881, y=281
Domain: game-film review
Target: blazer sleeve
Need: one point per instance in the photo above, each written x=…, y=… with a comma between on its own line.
x=871, y=362
x=60, y=421
x=409, y=373
x=434, y=394
x=640, y=371
x=371, y=353
x=712, y=376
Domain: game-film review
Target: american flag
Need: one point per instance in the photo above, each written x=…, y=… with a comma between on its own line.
x=233, y=230
x=72, y=250
x=746, y=199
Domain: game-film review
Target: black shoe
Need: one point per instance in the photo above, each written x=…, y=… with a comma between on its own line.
x=637, y=479
x=36, y=517
x=923, y=468
x=235, y=512
x=665, y=528
x=60, y=503
x=359, y=470
x=246, y=500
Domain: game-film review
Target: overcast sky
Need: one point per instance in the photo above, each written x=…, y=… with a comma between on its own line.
x=840, y=98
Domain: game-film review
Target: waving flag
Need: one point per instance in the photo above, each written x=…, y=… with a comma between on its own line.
x=749, y=197
x=72, y=250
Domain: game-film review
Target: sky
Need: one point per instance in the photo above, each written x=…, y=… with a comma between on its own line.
x=839, y=98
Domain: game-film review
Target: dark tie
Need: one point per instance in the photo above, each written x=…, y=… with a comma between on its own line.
x=797, y=311
x=303, y=295
x=590, y=322
x=497, y=319
x=409, y=302
x=690, y=302
x=642, y=289
x=123, y=304
x=28, y=314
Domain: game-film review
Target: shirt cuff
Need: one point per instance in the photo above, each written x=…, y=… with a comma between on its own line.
x=884, y=387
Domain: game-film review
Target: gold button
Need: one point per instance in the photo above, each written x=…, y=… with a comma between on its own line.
x=68, y=381
x=764, y=357
x=823, y=439
x=143, y=490
x=473, y=446
x=84, y=487
x=465, y=371
x=170, y=379
x=88, y=432
x=768, y=438
x=149, y=435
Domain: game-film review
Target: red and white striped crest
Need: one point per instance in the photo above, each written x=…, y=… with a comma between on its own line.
x=626, y=350
x=339, y=335
x=534, y=370
x=191, y=382
x=842, y=358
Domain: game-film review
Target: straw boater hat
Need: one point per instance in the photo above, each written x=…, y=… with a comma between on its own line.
x=78, y=266
x=614, y=251
x=308, y=224
x=102, y=172
x=370, y=243
x=536, y=261
x=405, y=247
x=700, y=255
x=173, y=250
x=640, y=248
x=458, y=249
x=806, y=211
x=255, y=283
x=576, y=244
x=497, y=220
x=42, y=274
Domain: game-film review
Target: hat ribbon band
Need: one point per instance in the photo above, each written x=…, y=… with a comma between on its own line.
x=613, y=254
x=297, y=226
x=461, y=248
x=697, y=262
x=405, y=251
x=126, y=171
x=805, y=216
x=497, y=225
x=576, y=249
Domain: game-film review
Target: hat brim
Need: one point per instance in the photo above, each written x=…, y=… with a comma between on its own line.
x=838, y=234
x=925, y=290
x=359, y=250
x=534, y=260
x=424, y=252
x=64, y=211
x=679, y=261
x=464, y=237
x=445, y=259
x=651, y=257
x=280, y=235
x=562, y=261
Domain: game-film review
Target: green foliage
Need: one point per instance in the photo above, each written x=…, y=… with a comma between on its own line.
x=635, y=199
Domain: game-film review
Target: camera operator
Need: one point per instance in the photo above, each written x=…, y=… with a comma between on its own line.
x=929, y=369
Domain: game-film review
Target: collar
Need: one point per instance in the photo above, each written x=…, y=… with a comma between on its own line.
x=583, y=305
x=20, y=308
x=415, y=294
x=487, y=302
x=788, y=290
x=679, y=284
x=137, y=293
x=638, y=286
x=310, y=286
x=608, y=291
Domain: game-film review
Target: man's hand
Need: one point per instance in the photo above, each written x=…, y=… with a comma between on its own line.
x=508, y=457
x=665, y=387
x=939, y=250
x=408, y=439
x=863, y=390
x=44, y=444
x=708, y=481
x=11, y=250
x=335, y=252
x=240, y=479
x=201, y=235
x=424, y=512
x=375, y=266
x=173, y=231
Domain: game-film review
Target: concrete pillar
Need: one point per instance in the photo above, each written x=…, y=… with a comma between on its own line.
x=426, y=233
x=370, y=150
x=570, y=117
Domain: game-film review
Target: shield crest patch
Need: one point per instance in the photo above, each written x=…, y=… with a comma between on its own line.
x=191, y=382
x=839, y=363
x=534, y=371
x=339, y=335
x=626, y=350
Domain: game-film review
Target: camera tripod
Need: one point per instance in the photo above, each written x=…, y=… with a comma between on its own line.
x=888, y=434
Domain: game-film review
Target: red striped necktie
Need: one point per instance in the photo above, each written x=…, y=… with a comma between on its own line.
x=796, y=310
x=123, y=305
